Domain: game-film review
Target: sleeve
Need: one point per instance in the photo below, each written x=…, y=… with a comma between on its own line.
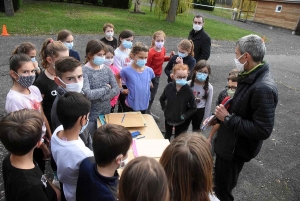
x=118, y=61
x=205, y=49
x=208, y=102
x=260, y=126
x=15, y=104
x=34, y=193
x=163, y=99
x=191, y=64
x=151, y=72
x=39, y=84
x=114, y=86
x=93, y=94
x=221, y=97
x=169, y=66
x=37, y=93
x=193, y=107
x=149, y=59
x=166, y=58
x=76, y=55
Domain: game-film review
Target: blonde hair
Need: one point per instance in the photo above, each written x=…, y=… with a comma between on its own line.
x=106, y=25
x=156, y=34
x=138, y=47
x=187, y=45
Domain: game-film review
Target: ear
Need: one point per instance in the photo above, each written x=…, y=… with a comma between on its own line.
x=13, y=74
x=39, y=143
x=119, y=159
x=49, y=60
x=58, y=82
x=131, y=56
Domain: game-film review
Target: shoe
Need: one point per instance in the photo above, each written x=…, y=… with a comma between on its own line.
x=56, y=183
x=155, y=117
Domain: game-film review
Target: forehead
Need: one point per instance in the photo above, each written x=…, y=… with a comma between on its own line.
x=159, y=37
x=76, y=72
x=109, y=54
x=109, y=29
x=142, y=54
x=69, y=38
x=204, y=69
x=230, y=83
x=181, y=72
x=32, y=53
x=198, y=19
x=26, y=66
x=181, y=50
x=237, y=50
x=62, y=54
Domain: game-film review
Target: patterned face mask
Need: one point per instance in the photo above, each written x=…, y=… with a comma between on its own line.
x=25, y=81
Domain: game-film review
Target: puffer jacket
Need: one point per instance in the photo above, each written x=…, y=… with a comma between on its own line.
x=202, y=44
x=253, y=114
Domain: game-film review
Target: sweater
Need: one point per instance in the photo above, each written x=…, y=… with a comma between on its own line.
x=156, y=60
x=202, y=44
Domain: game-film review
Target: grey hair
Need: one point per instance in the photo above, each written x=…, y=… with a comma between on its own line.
x=199, y=16
x=254, y=45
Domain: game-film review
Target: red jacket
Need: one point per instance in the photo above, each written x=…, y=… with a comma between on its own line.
x=156, y=59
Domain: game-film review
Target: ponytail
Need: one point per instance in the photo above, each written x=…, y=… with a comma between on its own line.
x=24, y=48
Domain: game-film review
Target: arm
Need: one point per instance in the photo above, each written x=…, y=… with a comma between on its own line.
x=214, y=129
x=205, y=49
x=208, y=102
x=169, y=67
x=114, y=86
x=191, y=64
x=149, y=59
x=193, y=107
x=48, y=130
x=163, y=99
x=34, y=193
x=117, y=62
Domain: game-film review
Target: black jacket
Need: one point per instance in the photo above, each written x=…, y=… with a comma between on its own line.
x=202, y=44
x=179, y=103
x=253, y=114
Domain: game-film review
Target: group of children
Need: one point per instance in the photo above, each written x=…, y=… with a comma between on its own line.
x=66, y=99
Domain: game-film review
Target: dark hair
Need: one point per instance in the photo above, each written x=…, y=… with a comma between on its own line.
x=70, y=107
x=63, y=34
x=125, y=34
x=17, y=60
x=66, y=64
x=233, y=75
x=21, y=130
x=24, y=48
x=51, y=48
x=143, y=179
x=138, y=47
x=199, y=16
x=193, y=178
x=199, y=65
x=106, y=25
x=109, y=141
x=110, y=49
x=93, y=47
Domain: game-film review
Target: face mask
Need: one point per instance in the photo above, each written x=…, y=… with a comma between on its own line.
x=84, y=126
x=141, y=62
x=109, y=62
x=159, y=45
x=123, y=163
x=230, y=93
x=197, y=27
x=33, y=59
x=239, y=65
x=109, y=34
x=181, y=82
x=98, y=60
x=181, y=55
x=69, y=45
x=73, y=87
x=127, y=44
x=201, y=77
x=26, y=81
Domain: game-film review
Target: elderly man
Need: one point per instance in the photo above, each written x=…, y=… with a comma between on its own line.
x=250, y=118
x=200, y=39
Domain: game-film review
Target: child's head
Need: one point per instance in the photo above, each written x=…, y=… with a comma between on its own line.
x=158, y=39
x=201, y=73
x=21, y=131
x=180, y=73
x=65, y=36
x=143, y=179
x=69, y=74
x=125, y=39
x=95, y=52
x=232, y=82
x=73, y=109
x=185, y=48
x=22, y=70
x=108, y=30
x=109, y=56
x=139, y=54
x=111, y=143
x=192, y=179
x=26, y=48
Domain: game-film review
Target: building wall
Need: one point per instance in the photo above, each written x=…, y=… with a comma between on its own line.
x=287, y=18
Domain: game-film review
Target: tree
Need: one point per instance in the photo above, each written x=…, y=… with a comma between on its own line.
x=137, y=6
x=9, y=8
x=172, y=11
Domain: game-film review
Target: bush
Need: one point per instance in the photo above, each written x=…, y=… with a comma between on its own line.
x=205, y=2
x=182, y=6
x=124, y=4
x=16, y=4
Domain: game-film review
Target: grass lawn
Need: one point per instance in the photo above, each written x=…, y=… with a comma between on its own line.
x=45, y=17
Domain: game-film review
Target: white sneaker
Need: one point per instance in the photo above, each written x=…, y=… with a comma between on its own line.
x=56, y=183
x=155, y=117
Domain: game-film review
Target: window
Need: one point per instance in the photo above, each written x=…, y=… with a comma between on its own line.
x=278, y=9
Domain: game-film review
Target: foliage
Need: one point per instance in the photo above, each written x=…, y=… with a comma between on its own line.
x=162, y=6
x=16, y=3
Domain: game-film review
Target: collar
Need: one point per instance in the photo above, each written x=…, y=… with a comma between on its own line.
x=253, y=69
x=249, y=77
x=111, y=181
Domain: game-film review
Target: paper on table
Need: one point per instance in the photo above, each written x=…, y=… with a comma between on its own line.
x=149, y=147
x=131, y=119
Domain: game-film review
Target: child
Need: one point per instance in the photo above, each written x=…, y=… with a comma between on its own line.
x=66, y=37
x=99, y=83
x=109, y=60
x=67, y=148
x=20, y=133
x=24, y=95
x=193, y=178
x=184, y=56
x=51, y=51
x=203, y=92
x=29, y=49
x=122, y=60
x=156, y=58
x=226, y=93
x=109, y=39
x=143, y=179
x=181, y=103
x=99, y=181
x=138, y=80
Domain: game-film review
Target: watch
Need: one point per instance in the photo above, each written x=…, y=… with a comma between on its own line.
x=227, y=118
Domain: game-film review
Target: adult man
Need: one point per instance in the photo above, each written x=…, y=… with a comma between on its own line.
x=200, y=39
x=249, y=119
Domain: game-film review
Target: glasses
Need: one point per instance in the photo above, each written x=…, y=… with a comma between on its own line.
x=199, y=71
x=197, y=22
x=233, y=88
x=179, y=77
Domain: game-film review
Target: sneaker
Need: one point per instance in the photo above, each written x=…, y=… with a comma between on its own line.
x=56, y=183
x=155, y=117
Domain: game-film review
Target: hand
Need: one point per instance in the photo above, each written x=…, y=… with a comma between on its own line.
x=221, y=112
x=151, y=85
x=35, y=64
x=125, y=91
x=108, y=85
x=209, y=140
x=179, y=60
x=212, y=123
x=172, y=54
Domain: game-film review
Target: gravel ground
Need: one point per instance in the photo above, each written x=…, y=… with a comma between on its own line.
x=274, y=174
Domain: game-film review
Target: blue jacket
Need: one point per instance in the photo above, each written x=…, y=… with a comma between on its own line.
x=74, y=54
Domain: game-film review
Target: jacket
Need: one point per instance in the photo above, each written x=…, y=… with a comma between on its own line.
x=179, y=103
x=202, y=44
x=253, y=114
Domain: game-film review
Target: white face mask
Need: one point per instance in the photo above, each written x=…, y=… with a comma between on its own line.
x=239, y=65
x=109, y=62
x=123, y=163
x=197, y=27
x=74, y=87
x=109, y=34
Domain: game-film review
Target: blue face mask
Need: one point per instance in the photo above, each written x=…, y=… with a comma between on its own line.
x=69, y=45
x=201, y=77
x=181, y=82
x=181, y=55
x=33, y=59
x=127, y=44
x=98, y=60
x=141, y=62
x=84, y=126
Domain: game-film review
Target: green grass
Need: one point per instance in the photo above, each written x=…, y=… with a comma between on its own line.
x=39, y=18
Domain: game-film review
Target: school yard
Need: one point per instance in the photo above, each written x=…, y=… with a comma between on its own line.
x=275, y=173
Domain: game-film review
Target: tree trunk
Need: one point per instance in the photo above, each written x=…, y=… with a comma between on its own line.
x=172, y=11
x=137, y=6
x=9, y=8
x=151, y=5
